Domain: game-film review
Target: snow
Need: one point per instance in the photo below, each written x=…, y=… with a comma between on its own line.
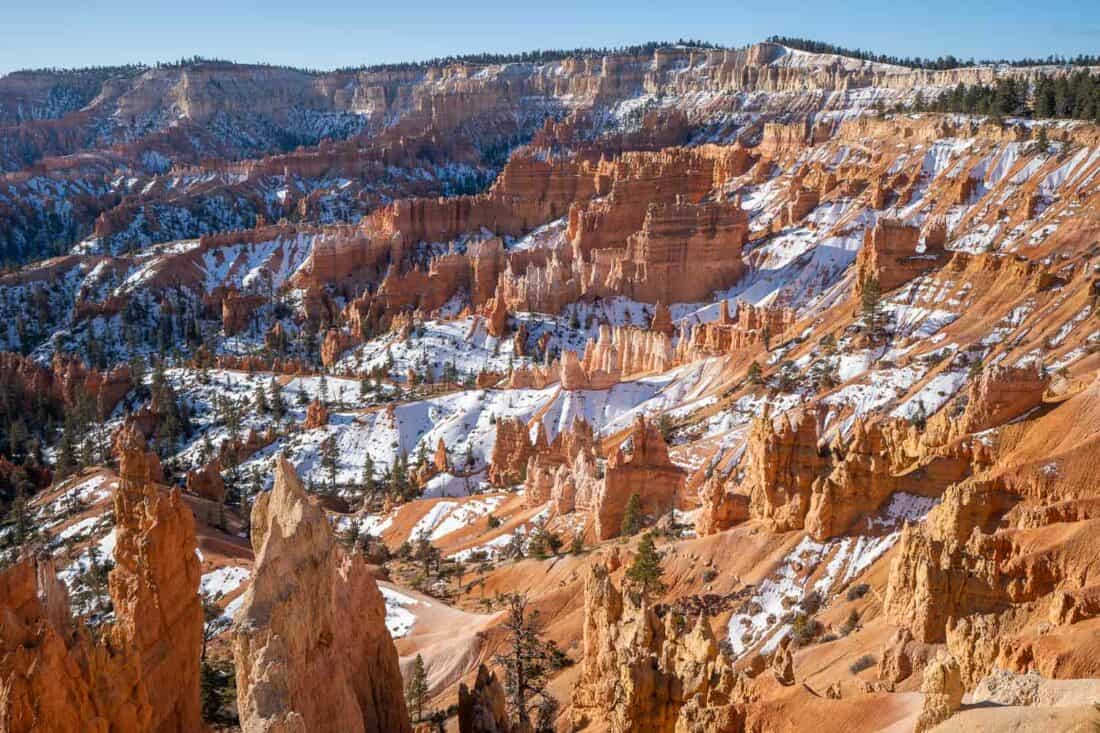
x=877, y=390
x=932, y=396
x=399, y=620
x=462, y=516
x=223, y=581
x=79, y=529
x=835, y=562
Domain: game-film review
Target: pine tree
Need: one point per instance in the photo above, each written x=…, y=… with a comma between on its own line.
x=1041, y=143
x=527, y=663
x=20, y=518
x=278, y=406
x=330, y=459
x=416, y=689
x=756, y=374
x=871, y=306
x=632, y=516
x=260, y=400
x=368, y=484
x=646, y=571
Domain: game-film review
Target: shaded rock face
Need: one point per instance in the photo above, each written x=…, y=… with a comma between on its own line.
x=207, y=481
x=311, y=645
x=66, y=381
x=639, y=673
x=483, y=708
x=719, y=508
x=142, y=674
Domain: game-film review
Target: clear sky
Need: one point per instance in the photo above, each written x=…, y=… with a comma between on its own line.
x=38, y=33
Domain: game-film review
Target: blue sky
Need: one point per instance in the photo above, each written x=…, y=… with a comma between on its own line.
x=345, y=32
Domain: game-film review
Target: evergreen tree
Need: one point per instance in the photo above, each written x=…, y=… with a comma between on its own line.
x=756, y=374
x=330, y=459
x=527, y=663
x=632, y=516
x=278, y=406
x=416, y=689
x=646, y=571
x=368, y=483
x=260, y=400
x=871, y=306
x=1041, y=143
x=19, y=518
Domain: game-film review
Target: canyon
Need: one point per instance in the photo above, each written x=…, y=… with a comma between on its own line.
x=677, y=388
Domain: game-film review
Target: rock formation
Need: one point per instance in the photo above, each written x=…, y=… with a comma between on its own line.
x=943, y=693
x=141, y=673
x=1002, y=393
x=482, y=709
x=311, y=645
x=639, y=673
x=784, y=460
x=565, y=473
x=316, y=415
x=889, y=255
x=639, y=465
x=206, y=481
x=154, y=587
x=511, y=451
x=719, y=508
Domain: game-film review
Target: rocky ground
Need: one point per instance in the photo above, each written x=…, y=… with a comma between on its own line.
x=306, y=375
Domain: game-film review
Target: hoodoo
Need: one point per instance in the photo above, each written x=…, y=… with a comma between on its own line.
x=671, y=387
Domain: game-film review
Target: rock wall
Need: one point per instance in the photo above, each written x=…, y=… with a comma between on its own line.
x=752, y=326
x=784, y=461
x=482, y=709
x=154, y=587
x=889, y=255
x=1002, y=393
x=639, y=465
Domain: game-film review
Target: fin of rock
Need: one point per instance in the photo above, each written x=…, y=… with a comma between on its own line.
x=311, y=645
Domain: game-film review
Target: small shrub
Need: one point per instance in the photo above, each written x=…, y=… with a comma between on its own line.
x=576, y=547
x=811, y=603
x=865, y=662
x=709, y=575
x=857, y=591
x=850, y=624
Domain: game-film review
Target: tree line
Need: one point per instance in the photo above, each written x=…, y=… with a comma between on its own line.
x=1076, y=96
x=937, y=64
